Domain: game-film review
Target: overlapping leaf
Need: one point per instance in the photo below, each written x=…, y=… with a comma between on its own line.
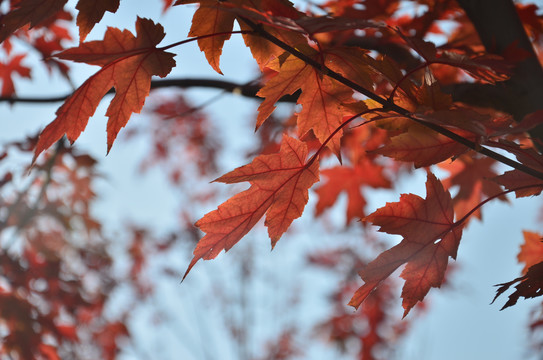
x=128, y=62
x=217, y=17
x=423, y=147
x=489, y=68
x=430, y=237
x=279, y=189
x=91, y=12
x=531, y=252
x=529, y=286
x=473, y=177
x=210, y=18
x=522, y=183
x=350, y=180
x=31, y=12
x=321, y=99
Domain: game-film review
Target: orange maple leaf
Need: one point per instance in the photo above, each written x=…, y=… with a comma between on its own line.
x=31, y=12
x=350, y=180
x=210, y=18
x=128, y=62
x=91, y=12
x=473, y=178
x=213, y=17
x=430, y=237
x=321, y=99
x=279, y=189
x=531, y=252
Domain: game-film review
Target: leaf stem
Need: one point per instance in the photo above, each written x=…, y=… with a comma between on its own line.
x=465, y=217
x=345, y=123
x=204, y=37
x=407, y=74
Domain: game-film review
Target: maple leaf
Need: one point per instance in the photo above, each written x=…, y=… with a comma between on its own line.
x=350, y=180
x=91, y=12
x=13, y=66
x=321, y=99
x=522, y=183
x=31, y=12
x=489, y=68
x=218, y=17
x=430, y=93
x=515, y=179
x=128, y=62
x=529, y=286
x=531, y=252
x=423, y=147
x=473, y=178
x=430, y=237
x=210, y=18
x=279, y=189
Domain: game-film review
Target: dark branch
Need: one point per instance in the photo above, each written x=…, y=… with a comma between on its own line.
x=248, y=90
x=390, y=106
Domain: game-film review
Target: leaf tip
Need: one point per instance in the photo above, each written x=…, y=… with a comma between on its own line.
x=191, y=265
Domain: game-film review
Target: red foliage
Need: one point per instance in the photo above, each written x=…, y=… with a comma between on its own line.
x=368, y=83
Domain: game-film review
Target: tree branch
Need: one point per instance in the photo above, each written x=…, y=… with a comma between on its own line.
x=390, y=106
x=248, y=90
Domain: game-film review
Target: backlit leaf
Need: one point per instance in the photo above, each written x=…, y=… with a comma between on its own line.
x=422, y=146
x=350, y=180
x=8, y=69
x=321, y=99
x=473, y=177
x=279, y=189
x=430, y=237
x=211, y=18
x=531, y=252
x=127, y=62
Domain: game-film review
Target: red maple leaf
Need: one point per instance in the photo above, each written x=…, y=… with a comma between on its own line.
x=128, y=62
x=423, y=147
x=523, y=184
x=350, y=180
x=430, y=237
x=279, y=189
x=8, y=69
